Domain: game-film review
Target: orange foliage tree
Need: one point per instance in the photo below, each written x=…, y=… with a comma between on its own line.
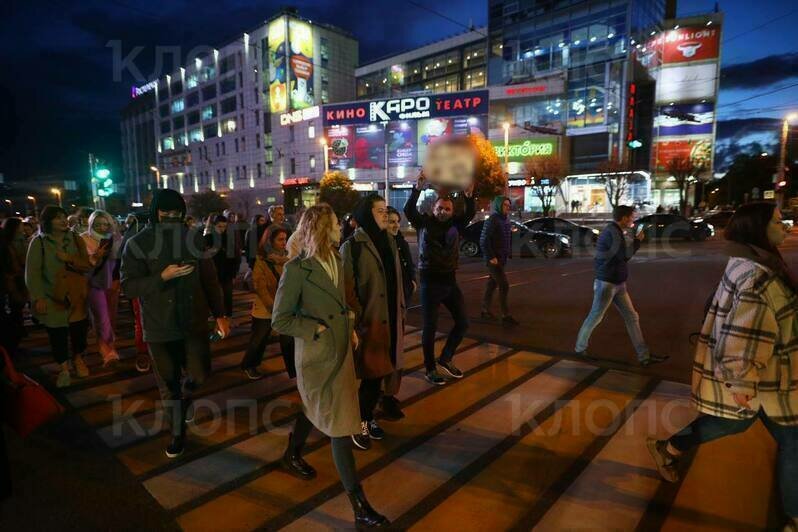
x=336, y=189
x=489, y=177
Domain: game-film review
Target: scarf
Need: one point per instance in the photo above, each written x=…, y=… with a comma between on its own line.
x=768, y=259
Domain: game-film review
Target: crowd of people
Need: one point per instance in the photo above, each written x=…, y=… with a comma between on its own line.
x=336, y=295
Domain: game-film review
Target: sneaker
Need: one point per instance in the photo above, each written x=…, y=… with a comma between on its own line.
x=143, y=363
x=176, y=447
x=487, y=315
x=434, y=378
x=585, y=355
x=665, y=461
x=190, y=413
x=81, y=369
x=253, y=374
x=450, y=369
x=362, y=441
x=375, y=431
x=64, y=379
x=509, y=320
x=391, y=410
x=653, y=359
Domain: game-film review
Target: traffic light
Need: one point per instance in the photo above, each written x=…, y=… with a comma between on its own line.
x=634, y=144
x=103, y=181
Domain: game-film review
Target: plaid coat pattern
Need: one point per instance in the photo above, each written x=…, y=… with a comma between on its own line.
x=748, y=344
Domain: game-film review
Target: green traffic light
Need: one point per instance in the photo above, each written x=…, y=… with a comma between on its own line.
x=108, y=183
x=102, y=173
x=634, y=144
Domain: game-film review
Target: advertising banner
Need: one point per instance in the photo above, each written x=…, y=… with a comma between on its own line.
x=699, y=150
x=688, y=82
x=429, y=131
x=402, y=143
x=685, y=119
x=522, y=149
x=369, y=147
x=341, y=141
x=409, y=108
x=301, y=38
x=686, y=45
x=278, y=95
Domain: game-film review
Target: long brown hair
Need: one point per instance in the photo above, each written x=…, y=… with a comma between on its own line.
x=749, y=225
x=267, y=239
x=314, y=233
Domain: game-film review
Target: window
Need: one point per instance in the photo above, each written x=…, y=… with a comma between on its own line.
x=238, y=173
x=269, y=156
x=192, y=81
x=241, y=99
x=168, y=143
x=218, y=150
x=208, y=93
x=195, y=135
x=208, y=73
x=227, y=64
x=178, y=105
x=177, y=87
x=242, y=121
x=257, y=140
x=182, y=139
x=229, y=126
x=312, y=163
x=208, y=112
x=257, y=117
x=193, y=118
x=178, y=122
x=290, y=133
x=164, y=110
x=192, y=99
x=244, y=172
x=257, y=92
x=166, y=126
x=260, y=170
x=324, y=53
x=228, y=105
x=243, y=143
x=267, y=139
x=227, y=85
x=240, y=79
x=293, y=166
x=224, y=150
x=236, y=145
x=311, y=132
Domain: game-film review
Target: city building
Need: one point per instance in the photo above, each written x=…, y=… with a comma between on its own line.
x=138, y=146
x=216, y=116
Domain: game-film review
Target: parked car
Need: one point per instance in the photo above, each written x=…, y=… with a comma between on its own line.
x=526, y=242
x=673, y=226
x=718, y=218
x=581, y=236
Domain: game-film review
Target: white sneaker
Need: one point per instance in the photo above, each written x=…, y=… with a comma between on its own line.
x=81, y=369
x=64, y=379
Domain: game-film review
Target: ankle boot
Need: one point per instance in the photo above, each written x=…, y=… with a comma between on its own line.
x=365, y=516
x=292, y=461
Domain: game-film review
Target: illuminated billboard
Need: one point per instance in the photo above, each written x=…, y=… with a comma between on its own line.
x=402, y=145
x=686, y=83
x=278, y=95
x=699, y=150
x=300, y=37
x=522, y=149
x=685, y=119
x=687, y=45
x=341, y=140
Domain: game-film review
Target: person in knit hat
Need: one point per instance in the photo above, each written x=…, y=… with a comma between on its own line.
x=496, y=244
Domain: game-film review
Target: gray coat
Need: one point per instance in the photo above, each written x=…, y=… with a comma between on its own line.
x=306, y=297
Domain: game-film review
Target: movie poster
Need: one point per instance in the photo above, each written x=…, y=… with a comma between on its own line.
x=429, y=130
x=341, y=141
x=278, y=97
x=401, y=140
x=369, y=147
x=300, y=36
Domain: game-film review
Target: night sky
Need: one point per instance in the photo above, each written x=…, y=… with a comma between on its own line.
x=59, y=99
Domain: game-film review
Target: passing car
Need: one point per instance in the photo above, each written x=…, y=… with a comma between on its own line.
x=673, y=226
x=526, y=242
x=581, y=236
x=718, y=218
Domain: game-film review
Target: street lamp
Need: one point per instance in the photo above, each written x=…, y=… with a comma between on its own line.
x=785, y=130
x=506, y=126
x=323, y=142
x=35, y=208
x=57, y=193
x=157, y=175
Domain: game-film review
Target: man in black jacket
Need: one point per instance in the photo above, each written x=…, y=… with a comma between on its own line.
x=496, y=245
x=165, y=266
x=439, y=249
x=609, y=287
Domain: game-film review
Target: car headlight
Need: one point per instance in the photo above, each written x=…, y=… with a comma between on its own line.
x=698, y=220
x=564, y=240
x=596, y=231
x=711, y=229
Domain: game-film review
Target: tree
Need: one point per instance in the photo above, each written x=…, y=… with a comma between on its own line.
x=490, y=179
x=335, y=188
x=545, y=176
x=616, y=175
x=202, y=204
x=685, y=170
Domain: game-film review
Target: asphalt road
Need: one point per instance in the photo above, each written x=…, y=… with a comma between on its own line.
x=669, y=284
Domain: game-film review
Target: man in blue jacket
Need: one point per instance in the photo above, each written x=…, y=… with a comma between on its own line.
x=496, y=244
x=612, y=269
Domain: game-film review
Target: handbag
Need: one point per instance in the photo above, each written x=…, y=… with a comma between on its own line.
x=26, y=404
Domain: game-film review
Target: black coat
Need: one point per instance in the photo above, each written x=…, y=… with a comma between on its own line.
x=408, y=267
x=226, y=252
x=612, y=254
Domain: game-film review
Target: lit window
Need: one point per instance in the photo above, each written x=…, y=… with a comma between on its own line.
x=196, y=135
x=311, y=132
x=191, y=81
x=312, y=162
x=168, y=143
x=229, y=126
x=208, y=112
x=178, y=105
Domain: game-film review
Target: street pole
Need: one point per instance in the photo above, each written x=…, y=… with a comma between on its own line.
x=781, y=183
x=57, y=193
x=92, y=162
x=324, y=147
x=157, y=176
x=385, y=158
x=35, y=208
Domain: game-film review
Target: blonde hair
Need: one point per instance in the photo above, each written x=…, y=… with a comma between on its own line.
x=314, y=233
x=102, y=214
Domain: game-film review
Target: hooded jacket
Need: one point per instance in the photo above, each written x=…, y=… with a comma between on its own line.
x=175, y=309
x=496, y=238
x=612, y=254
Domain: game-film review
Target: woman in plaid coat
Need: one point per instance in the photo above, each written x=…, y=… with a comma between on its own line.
x=744, y=368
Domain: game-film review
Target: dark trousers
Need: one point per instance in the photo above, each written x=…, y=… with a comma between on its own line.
x=342, y=454
x=433, y=294
x=61, y=337
x=227, y=293
x=706, y=428
x=497, y=278
x=369, y=395
x=259, y=339
x=171, y=359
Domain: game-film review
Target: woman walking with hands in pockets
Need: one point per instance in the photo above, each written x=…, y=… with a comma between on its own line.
x=312, y=304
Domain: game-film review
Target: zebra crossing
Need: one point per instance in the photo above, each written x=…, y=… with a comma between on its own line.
x=524, y=441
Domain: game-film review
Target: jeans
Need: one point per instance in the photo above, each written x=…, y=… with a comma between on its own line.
x=433, y=293
x=259, y=339
x=192, y=354
x=60, y=337
x=497, y=279
x=227, y=293
x=706, y=428
x=605, y=293
x=103, y=305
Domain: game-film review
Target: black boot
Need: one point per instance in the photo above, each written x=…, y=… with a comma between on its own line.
x=293, y=462
x=365, y=515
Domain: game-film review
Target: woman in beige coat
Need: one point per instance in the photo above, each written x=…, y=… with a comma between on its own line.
x=311, y=305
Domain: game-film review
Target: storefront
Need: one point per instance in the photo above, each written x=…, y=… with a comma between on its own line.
x=300, y=192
